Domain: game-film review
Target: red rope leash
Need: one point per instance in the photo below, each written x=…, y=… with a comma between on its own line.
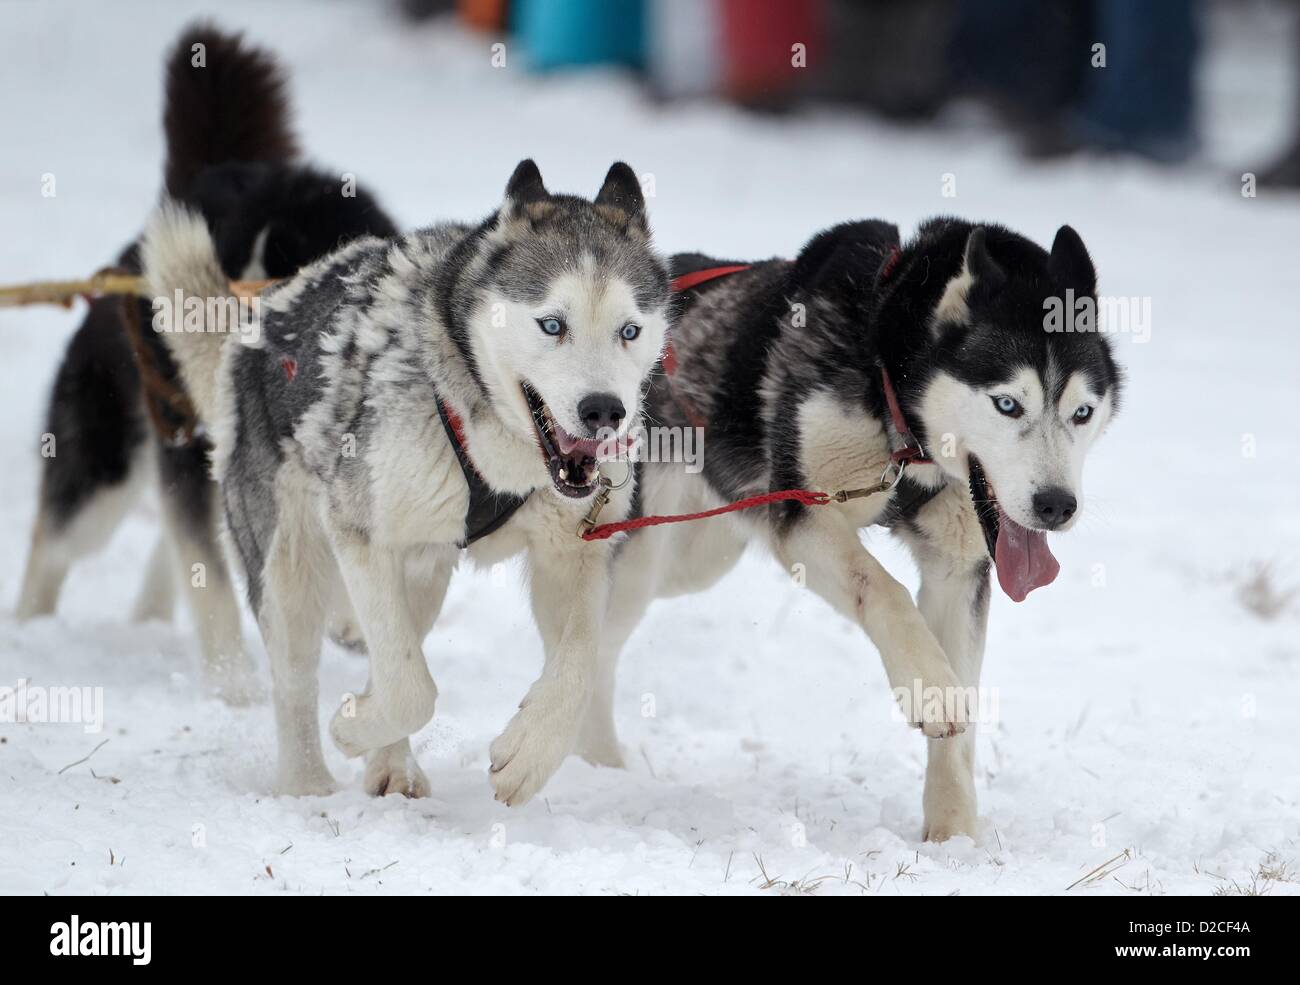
x=804, y=496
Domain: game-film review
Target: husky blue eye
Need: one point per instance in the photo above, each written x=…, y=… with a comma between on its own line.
x=551, y=326
x=1008, y=405
x=1082, y=414
x=629, y=332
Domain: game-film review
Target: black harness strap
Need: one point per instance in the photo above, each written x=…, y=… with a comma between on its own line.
x=909, y=498
x=488, y=509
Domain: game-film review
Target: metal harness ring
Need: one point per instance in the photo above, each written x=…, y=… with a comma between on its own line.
x=611, y=486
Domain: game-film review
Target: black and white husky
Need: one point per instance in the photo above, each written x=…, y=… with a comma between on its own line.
x=818, y=374
x=232, y=155
x=392, y=397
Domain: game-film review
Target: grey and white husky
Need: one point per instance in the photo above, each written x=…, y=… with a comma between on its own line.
x=396, y=401
x=818, y=374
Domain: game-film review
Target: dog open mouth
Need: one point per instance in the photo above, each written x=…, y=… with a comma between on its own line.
x=1022, y=558
x=570, y=460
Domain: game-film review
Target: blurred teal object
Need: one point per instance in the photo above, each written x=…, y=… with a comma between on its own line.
x=559, y=33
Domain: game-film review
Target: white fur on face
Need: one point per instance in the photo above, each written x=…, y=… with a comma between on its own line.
x=1043, y=448
x=590, y=357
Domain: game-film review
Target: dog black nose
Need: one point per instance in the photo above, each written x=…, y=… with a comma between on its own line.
x=1054, y=507
x=601, y=410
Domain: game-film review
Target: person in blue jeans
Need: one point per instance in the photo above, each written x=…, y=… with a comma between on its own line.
x=1038, y=61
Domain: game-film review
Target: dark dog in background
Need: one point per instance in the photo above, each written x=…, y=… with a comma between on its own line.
x=118, y=414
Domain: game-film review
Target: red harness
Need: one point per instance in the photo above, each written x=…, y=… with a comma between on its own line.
x=686, y=281
x=911, y=452
x=455, y=423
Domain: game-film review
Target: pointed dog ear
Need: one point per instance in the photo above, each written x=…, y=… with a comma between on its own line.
x=1069, y=264
x=524, y=188
x=620, y=200
x=525, y=185
x=984, y=270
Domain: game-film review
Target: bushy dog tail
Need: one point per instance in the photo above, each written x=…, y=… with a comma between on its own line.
x=225, y=100
x=191, y=308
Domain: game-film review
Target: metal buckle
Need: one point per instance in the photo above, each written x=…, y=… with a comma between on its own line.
x=588, y=523
x=884, y=485
x=898, y=475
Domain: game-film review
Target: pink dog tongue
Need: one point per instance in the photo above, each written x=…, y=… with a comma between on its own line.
x=568, y=443
x=593, y=447
x=1023, y=559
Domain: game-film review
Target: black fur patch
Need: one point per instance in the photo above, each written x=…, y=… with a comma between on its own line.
x=225, y=100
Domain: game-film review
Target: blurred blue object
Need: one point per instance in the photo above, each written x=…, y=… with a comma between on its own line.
x=1144, y=100
x=559, y=33
x=1111, y=75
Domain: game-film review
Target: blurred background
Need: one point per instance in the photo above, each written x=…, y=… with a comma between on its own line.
x=767, y=103
x=1062, y=76
x=752, y=122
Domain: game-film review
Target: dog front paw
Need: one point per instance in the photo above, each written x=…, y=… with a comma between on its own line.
x=533, y=745
x=950, y=824
x=393, y=771
x=935, y=702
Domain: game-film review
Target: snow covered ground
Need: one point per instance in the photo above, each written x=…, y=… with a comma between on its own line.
x=1147, y=715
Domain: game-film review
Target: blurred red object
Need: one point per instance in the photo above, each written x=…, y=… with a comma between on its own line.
x=768, y=45
x=485, y=15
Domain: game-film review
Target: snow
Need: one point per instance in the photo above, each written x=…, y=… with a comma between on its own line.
x=1144, y=709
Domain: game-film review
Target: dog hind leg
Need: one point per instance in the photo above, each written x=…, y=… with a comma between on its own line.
x=191, y=517
x=48, y=561
x=667, y=562
x=294, y=589
x=68, y=529
x=95, y=436
x=598, y=740
x=157, y=595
